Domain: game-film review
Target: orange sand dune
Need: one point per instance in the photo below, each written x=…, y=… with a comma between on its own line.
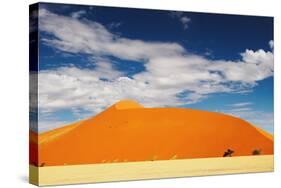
x=129, y=132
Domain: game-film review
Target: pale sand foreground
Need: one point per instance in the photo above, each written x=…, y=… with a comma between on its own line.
x=92, y=173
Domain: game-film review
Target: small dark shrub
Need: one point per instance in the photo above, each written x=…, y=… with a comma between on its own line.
x=256, y=152
x=228, y=153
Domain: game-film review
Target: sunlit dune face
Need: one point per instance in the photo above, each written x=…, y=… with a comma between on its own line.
x=128, y=132
x=127, y=104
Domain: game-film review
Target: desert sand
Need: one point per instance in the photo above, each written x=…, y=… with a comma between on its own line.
x=128, y=132
x=93, y=173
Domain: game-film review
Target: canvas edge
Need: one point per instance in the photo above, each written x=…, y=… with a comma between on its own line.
x=33, y=85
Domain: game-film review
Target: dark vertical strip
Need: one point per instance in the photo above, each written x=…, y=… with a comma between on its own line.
x=33, y=92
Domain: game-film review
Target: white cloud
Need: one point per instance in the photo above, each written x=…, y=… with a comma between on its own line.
x=182, y=18
x=271, y=44
x=241, y=104
x=241, y=109
x=78, y=14
x=170, y=70
x=185, y=21
x=70, y=87
x=89, y=37
x=255, y=66
x=114, y=25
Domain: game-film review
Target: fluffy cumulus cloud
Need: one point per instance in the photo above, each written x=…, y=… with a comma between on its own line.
x=89, y=37
x=171, y=76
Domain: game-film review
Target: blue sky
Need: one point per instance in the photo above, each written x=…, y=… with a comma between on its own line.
x=91, y=57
